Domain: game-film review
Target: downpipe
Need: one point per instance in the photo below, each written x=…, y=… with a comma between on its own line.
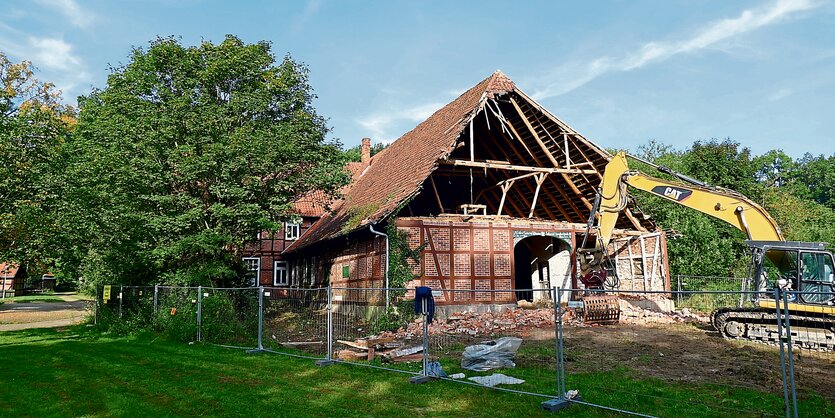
x=371, y=228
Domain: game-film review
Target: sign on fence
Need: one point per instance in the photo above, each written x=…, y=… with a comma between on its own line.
x=106, y=296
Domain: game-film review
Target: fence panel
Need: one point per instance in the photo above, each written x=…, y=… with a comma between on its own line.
x=477, y=342
x=812, y=354
x=296, y=321
x=365, y=332
x=229, y=316
x=654, y=353
x=176, y=315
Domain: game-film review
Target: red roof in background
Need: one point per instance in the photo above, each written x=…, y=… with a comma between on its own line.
x=398, y=171
x=12, y=270
x=314, y=203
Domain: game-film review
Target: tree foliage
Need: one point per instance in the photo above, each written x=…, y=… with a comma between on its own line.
x=186, y=154
x=33, y=124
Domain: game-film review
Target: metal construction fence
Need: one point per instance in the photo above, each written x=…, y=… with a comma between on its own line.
x=632, y=352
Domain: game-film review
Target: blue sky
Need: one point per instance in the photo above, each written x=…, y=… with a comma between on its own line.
x=620, y=72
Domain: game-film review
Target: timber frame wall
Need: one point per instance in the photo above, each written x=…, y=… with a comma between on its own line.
x=477, y=253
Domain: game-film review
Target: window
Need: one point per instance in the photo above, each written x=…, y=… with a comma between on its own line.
x=253, y=268
x=280, y=274
x=291, y=231
x=816, y=283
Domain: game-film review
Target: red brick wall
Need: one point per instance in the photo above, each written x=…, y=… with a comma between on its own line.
x=478, y=261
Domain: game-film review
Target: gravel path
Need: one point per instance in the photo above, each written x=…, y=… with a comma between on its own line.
x=17, y=316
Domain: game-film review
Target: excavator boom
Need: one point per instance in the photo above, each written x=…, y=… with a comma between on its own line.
x=724, y=204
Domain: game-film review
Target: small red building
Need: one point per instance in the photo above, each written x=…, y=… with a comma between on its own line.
x=11, y=278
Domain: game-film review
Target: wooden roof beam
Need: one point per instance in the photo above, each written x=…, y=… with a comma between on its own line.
x=533, y=132
x=492, y=155
x=566, y=133
x=501, y=166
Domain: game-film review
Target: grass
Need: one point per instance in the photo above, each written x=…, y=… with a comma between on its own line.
x=35, y=299
x=79, y=371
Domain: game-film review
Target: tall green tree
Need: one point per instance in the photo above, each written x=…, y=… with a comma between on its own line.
x=187, y=153
x=33, y=125
x=814, y=178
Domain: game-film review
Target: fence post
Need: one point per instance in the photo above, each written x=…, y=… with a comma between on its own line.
x=199, y=313
x=156, y=298
x=553, y=405
x=678, y=288
x=260, y=317
x=328, y=360
x=96, y=306
x=121, y=297
x=777, y=299
x=791, y=355
x=424, y=374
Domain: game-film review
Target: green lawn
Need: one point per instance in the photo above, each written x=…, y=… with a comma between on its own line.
x=78, y=371
x=35, y=298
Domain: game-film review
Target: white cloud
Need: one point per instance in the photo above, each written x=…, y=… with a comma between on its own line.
x=69, y=8
x=379, y=124
x=565, y=78
x=53, y=54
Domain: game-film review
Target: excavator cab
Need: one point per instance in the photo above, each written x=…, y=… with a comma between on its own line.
x=803, y=267
x=805, y=270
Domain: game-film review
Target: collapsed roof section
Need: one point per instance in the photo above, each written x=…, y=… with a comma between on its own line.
x=492, y=150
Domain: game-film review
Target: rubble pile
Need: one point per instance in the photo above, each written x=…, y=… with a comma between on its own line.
x=383, y=346
x=511, y=321
x=633, y=313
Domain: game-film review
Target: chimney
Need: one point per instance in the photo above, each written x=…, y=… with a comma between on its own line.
x=366, y=151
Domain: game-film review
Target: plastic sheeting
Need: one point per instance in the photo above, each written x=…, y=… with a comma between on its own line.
x=491, y=355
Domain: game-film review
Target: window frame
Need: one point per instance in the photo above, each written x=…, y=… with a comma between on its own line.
x=292, y=231
x=257, y=279
x=283, y=268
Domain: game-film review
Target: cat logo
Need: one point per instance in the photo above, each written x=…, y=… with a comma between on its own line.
x=674, y=193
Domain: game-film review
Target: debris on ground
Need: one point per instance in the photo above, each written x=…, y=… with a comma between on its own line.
x=491, y=355
x=369, y=348
x=496, y=379
x=510, y=321
x=457, y=376
x=573, y=394
x=654, y=311
x=434, y=369
x=398, y=346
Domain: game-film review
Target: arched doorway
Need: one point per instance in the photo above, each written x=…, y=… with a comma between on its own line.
x=540, y=262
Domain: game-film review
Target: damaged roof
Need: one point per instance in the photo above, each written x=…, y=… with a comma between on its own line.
x=398, y=172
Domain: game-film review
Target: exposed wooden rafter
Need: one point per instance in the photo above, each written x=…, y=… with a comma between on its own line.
x=501, y=166
x=540, y=178
x=519, y=156
x=550, y=156
x=536, y=160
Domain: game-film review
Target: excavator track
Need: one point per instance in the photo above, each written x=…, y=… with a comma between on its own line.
x=810, y=331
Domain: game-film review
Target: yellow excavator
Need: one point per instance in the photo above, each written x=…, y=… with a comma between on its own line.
x=804, y=268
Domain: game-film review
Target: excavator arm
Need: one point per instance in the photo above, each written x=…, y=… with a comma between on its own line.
x=724, y=204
